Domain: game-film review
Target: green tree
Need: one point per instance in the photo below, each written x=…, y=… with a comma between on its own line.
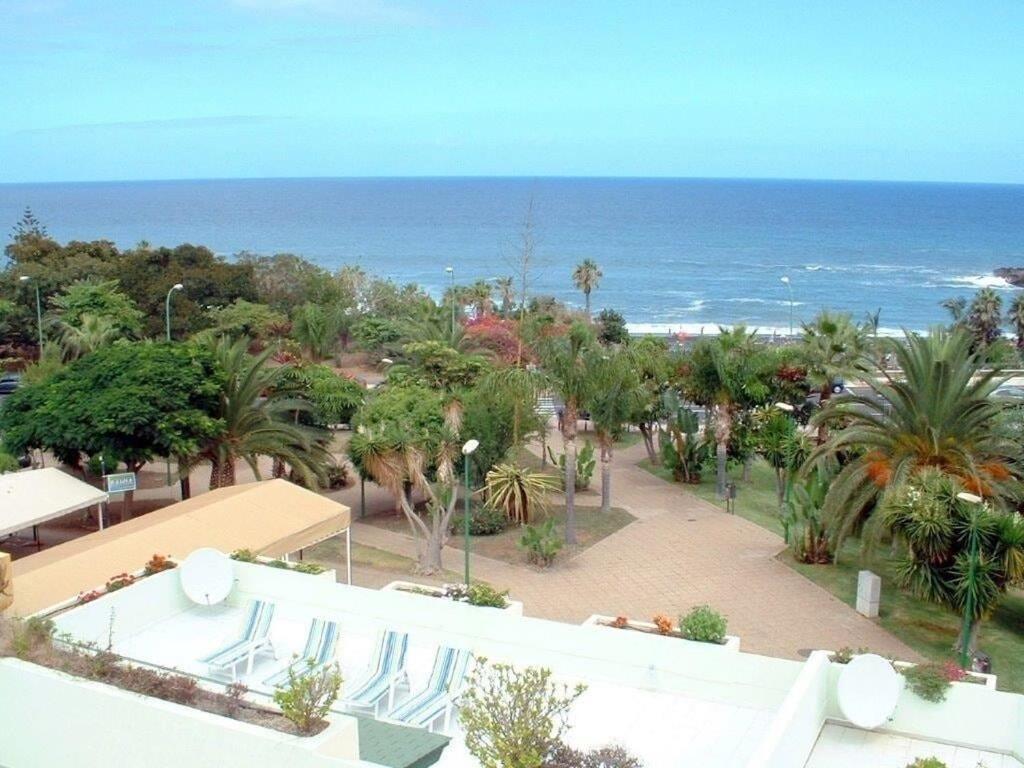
x=611, y=327
x=436, y=365
x=957, y=308
x=650, y=359
x=833, y=347
x=612, y=400
x=936, y=529
x=586, y=277
x=506, y=290
x=256, y=407
x=245, y=318
x=514, y=718
x=938, y=413
x=1015, y=317
x=101, y=299
x=132, y=401
x=729, y=374
x=90, y=333
x=334, y=399
x=985, y=317
x=564, y=360
x=318, y=328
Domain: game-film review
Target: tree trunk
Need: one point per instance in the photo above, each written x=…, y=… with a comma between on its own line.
x=972, y=640
x=780, y=486
x=648, y=435
x=586, y=297
x=748, y=463
x=723, y=427
x=606, y=477
x=222, y=474
x=826, y=394
x=185, y=481
x=278, y=469
x=129, y=497
x=569, y=425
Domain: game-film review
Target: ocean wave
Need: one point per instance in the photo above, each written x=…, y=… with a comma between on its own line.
x=773, y=302
x=712, y=329
x=980, y=281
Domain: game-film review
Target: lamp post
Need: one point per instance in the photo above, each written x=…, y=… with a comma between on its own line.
x=451, y=274
x=467, y=449
x=785, y=280
x=167, y=307
x=972, y=559
x=39, y=311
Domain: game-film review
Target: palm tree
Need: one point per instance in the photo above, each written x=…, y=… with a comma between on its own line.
x=479, y=295
x=1015, y=317
x=257, y=410
x=507, y=291
x=650, y=359
x=519, y=492
x=586, y=277
x=728, y=374
x=565, y=367
x=985, y=316
x=88, y=335
x=957, y=308
x=938, y=413
x=833, y=348
x=614, y=396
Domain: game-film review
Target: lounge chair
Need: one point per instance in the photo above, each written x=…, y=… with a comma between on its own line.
x=387, y=672
x=253, y=640
x=318, y=653
x=437, y=698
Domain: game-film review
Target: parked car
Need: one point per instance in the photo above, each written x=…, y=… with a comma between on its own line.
x=9, y=382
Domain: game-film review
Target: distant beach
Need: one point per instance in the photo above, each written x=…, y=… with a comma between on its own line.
x=677, y=255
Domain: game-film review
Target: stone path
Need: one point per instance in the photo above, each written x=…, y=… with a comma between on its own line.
x=680, y=552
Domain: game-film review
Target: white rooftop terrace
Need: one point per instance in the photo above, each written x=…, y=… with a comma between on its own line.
x=669, y=701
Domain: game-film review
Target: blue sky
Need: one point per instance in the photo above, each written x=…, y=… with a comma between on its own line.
x=140, y=89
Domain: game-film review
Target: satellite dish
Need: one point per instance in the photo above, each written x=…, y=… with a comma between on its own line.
x=207, y=576
x=868, y=690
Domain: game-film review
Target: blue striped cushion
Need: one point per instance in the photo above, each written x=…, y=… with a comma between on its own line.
x=389, y=658
x=320, y=645
x=449, y=669
x=254, y=629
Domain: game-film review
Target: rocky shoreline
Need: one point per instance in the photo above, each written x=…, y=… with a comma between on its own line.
x=1013, y=275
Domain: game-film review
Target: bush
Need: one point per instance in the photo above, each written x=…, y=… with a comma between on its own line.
x=169, y=686
x=846, y=654
x=311, y=568
x=564, y=756
x=120, y=581
x=308, y=696
x=703, y=624
x=586, y=463
x=31, y=635
x=663, y=624
x=541, y=543
x=928, y=762
x=929, y=681
x=244, y=556
x=158, y=563
x=484, y=520
x=514, y=718
x=337, y=477
x=476, y=594
x=279, y=564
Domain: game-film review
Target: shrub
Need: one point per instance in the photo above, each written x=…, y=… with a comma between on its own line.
x=928, y=762
x=484, y=520
x=620, y=622
x=586, y=463
x=514, y=718
x=519, y=492
x=564, y=756
x=846, y=654
x=88, y=597
x=310, y=568
x=703, y=624
x=337, y=477
x=929, y=681
x=31, y=635
x=541, y=543
x=279, y=564
x=244, y=556
x=120, y=581
x=235, y=693
x=158, y=563
x=169, y=686
x=663, y=624
x=476, y=594
x=308, y=695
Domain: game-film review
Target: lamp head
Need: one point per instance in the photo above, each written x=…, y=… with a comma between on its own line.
x=24, y=278
x=470, y=446
x=386, y=361
x=449, y=270
x=970, y=498
x=177, y=287
x=785, y=407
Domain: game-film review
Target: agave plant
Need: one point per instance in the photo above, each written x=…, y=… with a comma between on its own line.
x=519, y=492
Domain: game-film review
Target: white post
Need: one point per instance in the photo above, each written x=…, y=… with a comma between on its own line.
x=348, y=553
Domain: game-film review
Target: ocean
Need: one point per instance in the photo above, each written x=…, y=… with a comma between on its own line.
x=677, y=254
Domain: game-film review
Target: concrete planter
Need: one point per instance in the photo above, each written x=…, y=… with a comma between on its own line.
x=513, y=607
x=732, y=643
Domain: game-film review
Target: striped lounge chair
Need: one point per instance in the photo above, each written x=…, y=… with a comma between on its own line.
x=437, y=699
x=321, y=644
x=386, y=673
x=253, y=640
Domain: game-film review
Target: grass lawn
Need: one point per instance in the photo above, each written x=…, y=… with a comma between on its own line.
x=927, y=628
x=591, y=527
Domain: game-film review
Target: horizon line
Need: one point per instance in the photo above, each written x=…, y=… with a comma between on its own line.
x=524, y=177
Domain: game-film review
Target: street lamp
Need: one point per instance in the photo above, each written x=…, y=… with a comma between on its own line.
x=785, y=280
x=451, y=274
x=965, y=632
x=39, y=312
x=467, y=449
x=167, y=306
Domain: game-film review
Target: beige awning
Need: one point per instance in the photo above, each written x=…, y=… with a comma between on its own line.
x=33, y=496
x=272, y=517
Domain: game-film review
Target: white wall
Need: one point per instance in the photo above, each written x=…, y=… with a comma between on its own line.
x=791, y=736
x=50, y=719
x=972, y=715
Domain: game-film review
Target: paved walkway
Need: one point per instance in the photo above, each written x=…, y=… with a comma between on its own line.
x=680, y=552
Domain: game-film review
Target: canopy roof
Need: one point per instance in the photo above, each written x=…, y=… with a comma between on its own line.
x=36, y=495
x=272, y=517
